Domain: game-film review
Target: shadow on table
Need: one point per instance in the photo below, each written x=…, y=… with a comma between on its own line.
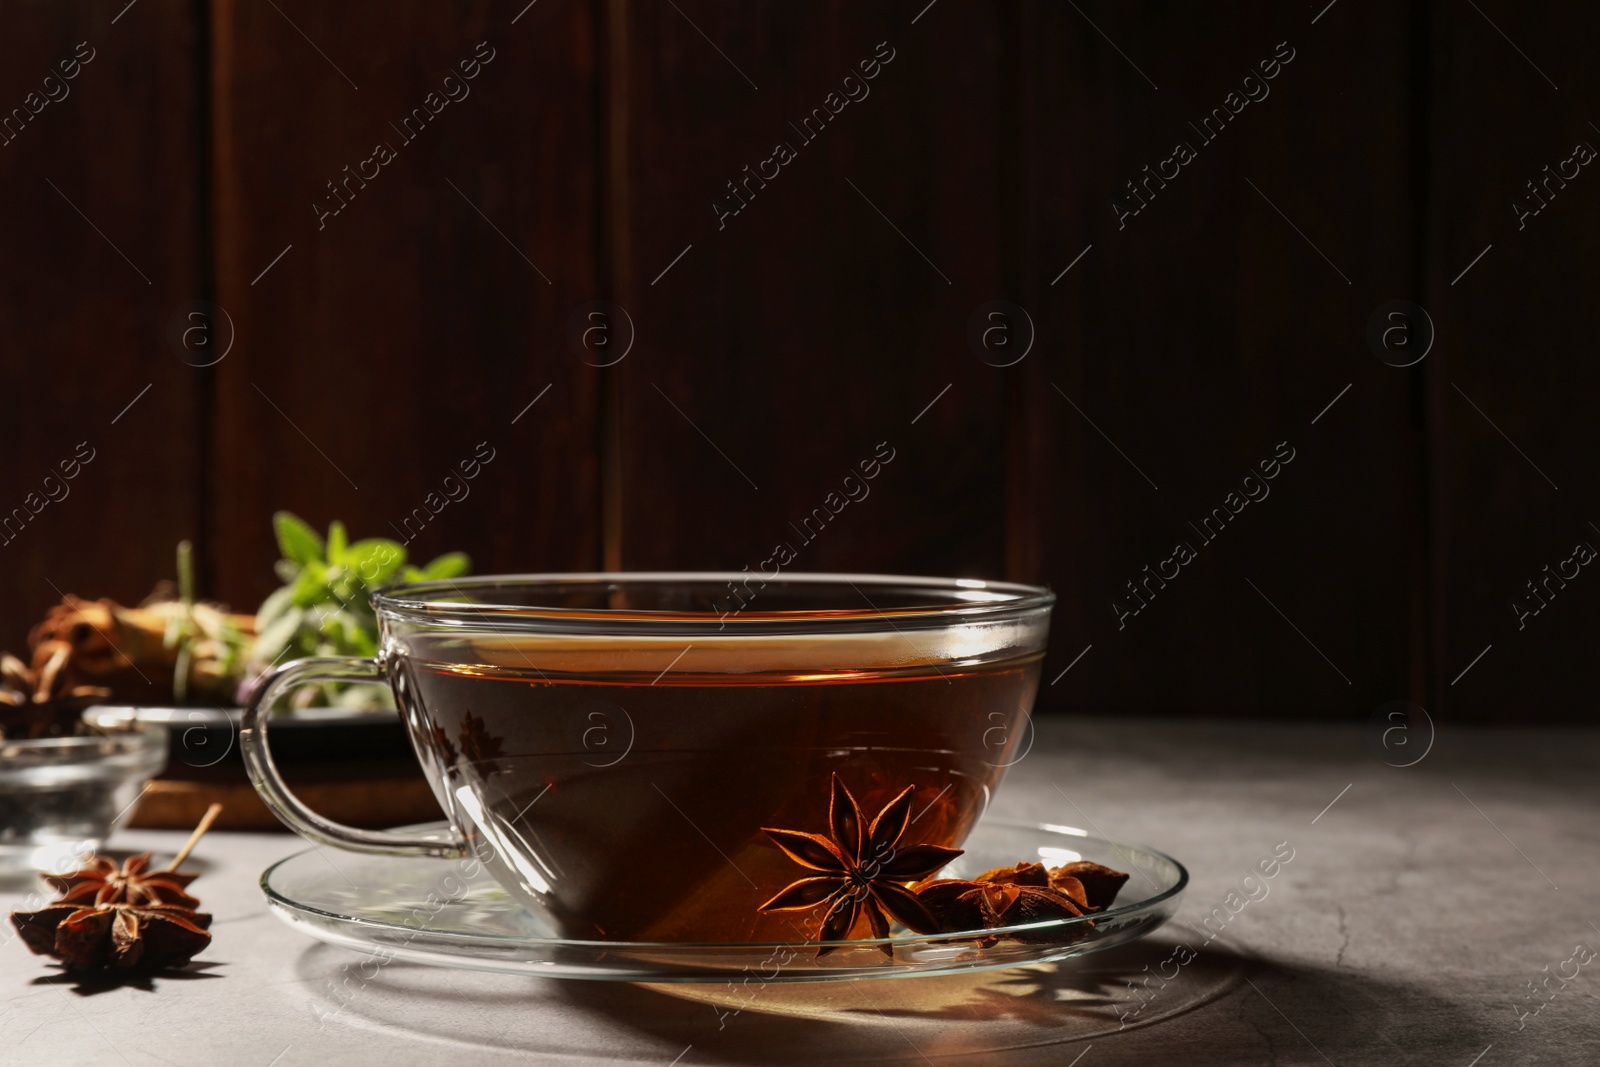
x=92, y=984
x=1115, y=996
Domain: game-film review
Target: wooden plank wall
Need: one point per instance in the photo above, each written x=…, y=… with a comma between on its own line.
x=416, y=312
x=100, y=172
x=1511, y=400
x=718, y=311
x=1201, y=335
x=805, y=332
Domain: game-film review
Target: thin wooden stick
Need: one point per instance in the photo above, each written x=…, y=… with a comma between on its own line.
x=194, y=839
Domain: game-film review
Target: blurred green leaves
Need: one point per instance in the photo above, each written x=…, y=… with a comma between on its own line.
x=323, y=607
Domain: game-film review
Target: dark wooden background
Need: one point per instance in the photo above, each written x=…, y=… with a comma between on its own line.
x=770, y=355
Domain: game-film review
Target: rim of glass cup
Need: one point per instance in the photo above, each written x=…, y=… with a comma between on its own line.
x=121, y=735
x=965, y=601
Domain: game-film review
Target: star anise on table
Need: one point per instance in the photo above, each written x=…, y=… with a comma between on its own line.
x=103, y=882
x=862, y=868
x=121, y=918
x=121, y=937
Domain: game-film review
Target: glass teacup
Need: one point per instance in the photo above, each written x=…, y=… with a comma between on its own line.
x=614, y=745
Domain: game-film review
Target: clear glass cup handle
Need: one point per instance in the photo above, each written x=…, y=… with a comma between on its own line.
x=288, y=807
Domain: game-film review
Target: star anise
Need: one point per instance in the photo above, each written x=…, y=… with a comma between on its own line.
x=1100, y=884
x=1023, y=894
x=124, y=917
x=864, y=869
x=122, y=937
x=962, y=905
x=103, y=882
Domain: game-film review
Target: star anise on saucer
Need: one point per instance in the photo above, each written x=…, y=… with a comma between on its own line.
x=1100, y=884
x=962, y=905
x=1022, y=894
x=103, y=882
x=863, y=868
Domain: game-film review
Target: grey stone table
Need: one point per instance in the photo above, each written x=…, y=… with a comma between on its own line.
x=1435, y=914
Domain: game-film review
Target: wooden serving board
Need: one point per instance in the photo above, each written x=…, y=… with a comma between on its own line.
x=372, y=803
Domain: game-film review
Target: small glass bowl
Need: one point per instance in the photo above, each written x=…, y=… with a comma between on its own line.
x=61, y=797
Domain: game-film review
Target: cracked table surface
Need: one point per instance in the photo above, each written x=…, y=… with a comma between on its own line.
x=1436, y=913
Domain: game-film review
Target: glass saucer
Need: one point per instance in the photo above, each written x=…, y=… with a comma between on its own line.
x=428, y=911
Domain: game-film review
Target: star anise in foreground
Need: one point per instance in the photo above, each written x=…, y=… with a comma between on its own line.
x=103, y=882
x=122, y=918
x=863, y=869
x=1023, y=894
x=122, y=937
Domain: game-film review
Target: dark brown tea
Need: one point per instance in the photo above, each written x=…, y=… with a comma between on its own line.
x=628, y=803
